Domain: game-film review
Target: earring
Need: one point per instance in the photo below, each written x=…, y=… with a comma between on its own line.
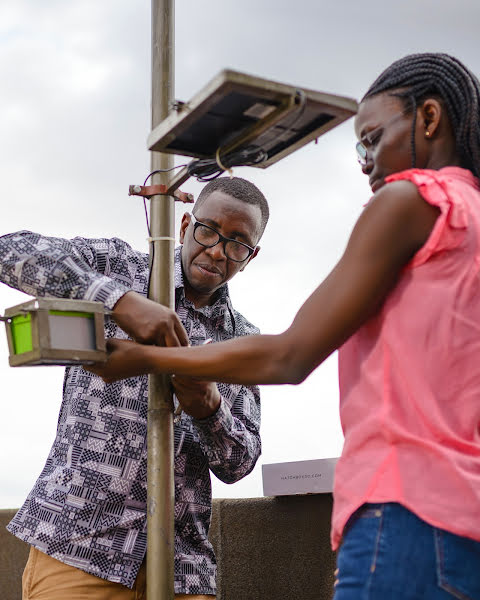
x=427, y=134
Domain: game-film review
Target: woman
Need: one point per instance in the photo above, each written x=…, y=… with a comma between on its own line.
x=403, y=306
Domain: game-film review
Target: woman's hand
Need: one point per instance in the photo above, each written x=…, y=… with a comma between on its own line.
x=125, y=359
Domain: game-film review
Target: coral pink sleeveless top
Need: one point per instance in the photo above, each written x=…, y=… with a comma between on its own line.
x=410, y=376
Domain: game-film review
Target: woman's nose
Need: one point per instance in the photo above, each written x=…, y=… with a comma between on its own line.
x=368, y=166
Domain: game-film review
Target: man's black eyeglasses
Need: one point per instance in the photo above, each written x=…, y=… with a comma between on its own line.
x=208, y=237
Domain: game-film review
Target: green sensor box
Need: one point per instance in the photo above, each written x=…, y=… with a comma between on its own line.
x=55, y=331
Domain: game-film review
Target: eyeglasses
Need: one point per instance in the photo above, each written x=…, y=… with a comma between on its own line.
x=371, y=138
x=208, y=237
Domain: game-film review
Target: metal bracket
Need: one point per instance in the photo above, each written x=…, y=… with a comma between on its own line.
x=147, y=191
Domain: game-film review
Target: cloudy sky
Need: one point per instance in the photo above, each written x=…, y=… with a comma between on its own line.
x=74, y=118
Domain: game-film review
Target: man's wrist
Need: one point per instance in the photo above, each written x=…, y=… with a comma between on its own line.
x=218, y=423
x=121, y=305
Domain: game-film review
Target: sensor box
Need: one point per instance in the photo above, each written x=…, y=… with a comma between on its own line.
x=54, y=331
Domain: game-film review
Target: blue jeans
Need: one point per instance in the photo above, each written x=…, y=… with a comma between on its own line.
x=388, y=553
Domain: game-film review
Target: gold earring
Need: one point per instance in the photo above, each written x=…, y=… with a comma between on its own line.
x=427, y=134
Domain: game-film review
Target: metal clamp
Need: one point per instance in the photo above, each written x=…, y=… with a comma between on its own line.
x=147, y=191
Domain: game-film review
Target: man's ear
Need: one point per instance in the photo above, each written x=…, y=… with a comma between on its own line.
x=183, y=226
x=251, y=257
x=431, y=112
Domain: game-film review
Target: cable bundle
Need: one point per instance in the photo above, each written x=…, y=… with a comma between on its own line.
x=206, y=169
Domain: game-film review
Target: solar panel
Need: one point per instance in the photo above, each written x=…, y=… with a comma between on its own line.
x=236, y=111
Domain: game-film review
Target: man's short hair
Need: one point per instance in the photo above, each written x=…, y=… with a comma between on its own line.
x=242, y=190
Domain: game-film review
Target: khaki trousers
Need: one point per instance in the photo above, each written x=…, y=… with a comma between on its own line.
x=46, y=578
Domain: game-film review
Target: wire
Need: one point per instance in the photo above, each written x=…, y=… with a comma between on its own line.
x=152, y=246
x=162, y=171
x=206, y=169
x=146, y=217
x=144, y=183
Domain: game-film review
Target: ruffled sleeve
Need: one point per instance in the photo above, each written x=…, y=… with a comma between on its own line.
x=443, y=191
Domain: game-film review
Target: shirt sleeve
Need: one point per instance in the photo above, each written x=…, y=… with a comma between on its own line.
x=78, y=269
x=230, y=439
x=450, y=227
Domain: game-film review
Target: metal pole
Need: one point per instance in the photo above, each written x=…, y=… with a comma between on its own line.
x=160, y=483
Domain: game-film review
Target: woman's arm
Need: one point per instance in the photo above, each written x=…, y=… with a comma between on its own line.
x=395, y=224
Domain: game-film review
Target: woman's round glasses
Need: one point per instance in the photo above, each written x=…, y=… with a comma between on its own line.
x=208, y=237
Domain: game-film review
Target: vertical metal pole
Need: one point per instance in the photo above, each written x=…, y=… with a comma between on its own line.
x=160, y=483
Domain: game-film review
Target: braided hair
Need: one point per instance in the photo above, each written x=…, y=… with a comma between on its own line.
x=417, y=77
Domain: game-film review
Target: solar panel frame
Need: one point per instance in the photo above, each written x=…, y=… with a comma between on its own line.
x=235, y=110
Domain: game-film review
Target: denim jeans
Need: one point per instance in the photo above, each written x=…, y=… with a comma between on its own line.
x=388, y=553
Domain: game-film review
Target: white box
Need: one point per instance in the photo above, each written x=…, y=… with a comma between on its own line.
x=299, y=477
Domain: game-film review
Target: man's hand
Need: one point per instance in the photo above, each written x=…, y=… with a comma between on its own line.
x=148, y=322
x=199, y=399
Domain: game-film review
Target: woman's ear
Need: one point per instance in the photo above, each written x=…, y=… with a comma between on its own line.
x=431, y=113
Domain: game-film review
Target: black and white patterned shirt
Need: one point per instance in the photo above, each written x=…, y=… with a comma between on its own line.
x=88, y=506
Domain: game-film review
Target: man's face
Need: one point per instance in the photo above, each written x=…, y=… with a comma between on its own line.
x=207, y=269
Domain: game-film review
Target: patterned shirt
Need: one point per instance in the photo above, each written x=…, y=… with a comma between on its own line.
x=88, y=506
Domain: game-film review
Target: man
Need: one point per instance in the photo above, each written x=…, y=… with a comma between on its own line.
x=86, y=515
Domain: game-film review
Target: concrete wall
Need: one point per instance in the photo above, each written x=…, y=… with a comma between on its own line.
x=13, y=556
x=267, y=549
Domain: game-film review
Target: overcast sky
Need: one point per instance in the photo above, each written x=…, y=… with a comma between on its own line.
x=74, y=119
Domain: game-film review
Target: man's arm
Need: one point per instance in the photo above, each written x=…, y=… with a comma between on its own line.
x=47, y=266
x=101, y=270
x=230, y=435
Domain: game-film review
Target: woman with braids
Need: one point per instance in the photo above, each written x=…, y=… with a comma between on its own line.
x=403, y=307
